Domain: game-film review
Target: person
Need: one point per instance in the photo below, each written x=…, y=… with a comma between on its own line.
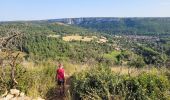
x=60, y=76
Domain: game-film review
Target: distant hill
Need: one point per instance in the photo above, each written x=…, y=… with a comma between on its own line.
x=109, y=25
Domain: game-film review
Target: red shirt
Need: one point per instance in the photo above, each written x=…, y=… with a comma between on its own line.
x=60, y=74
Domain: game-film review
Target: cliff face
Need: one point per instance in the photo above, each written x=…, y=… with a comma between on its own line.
x=109, y=19
x=86, y=20
x=113, y=25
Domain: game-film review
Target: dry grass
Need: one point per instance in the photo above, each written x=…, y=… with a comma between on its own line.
x=77, y=38
x=69, y=67
x=124, y=70
x=85, y=38
x=2, y=54
x=70, y=38
x=28, y=64
x=102, y=40
x=54, y=36
x=72, y=68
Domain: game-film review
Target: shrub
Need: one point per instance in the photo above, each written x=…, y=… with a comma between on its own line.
x=92, y=84
x=145, y=86
x=101, y=83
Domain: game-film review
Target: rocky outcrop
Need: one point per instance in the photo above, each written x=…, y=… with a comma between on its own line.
x=15, y=94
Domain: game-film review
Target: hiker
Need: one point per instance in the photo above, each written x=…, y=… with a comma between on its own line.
x=60, y=76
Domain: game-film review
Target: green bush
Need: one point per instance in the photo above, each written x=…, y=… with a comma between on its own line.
x=101, y=83
x=145, y=86
x=92, y=84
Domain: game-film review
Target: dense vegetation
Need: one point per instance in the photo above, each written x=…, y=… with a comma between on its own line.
x=42, y=47
x=96, y=83
x=101, y=84
x=37, y=45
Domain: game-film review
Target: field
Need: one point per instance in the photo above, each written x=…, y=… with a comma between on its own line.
x=84, y=38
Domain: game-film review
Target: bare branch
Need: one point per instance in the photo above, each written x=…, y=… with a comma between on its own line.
x=4, y=41
x=8, y=45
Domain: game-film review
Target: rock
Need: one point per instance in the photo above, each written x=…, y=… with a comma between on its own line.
x=16, y=95
x=14, y=98
x=14, y=92
x=27, y=98
x=9, y=96
x=39, y=98
x=24, y=98
x=22, y=94
x=2, y=99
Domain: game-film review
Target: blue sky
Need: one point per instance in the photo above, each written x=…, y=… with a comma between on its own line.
x=51, y=9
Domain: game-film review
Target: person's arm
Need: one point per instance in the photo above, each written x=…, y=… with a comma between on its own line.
x=64, y=75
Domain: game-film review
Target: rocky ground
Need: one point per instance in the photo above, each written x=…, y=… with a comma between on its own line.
x=15, y=94
x=53, y=94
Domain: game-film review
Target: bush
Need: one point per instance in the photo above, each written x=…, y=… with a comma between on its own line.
x=101, y=83
x=137, y=62
x=145, y=86
x=92, y=84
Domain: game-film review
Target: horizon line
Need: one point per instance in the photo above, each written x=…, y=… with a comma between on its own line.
x=29, y=20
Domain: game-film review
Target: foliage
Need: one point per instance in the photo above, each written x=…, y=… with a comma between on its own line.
x=111, y=58
x=145, y=86
x=30, y=79
x=132, y=59
x=136, y=61
x=92, y=84
x=151, y=56
x=39, y=46
x=101, y=83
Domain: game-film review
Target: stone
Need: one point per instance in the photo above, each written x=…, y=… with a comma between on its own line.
x=14, y=98
x=24, y=98
x=9, y=96
x=22, y=94
x=2, y=99
x=14, y=92
x=39, y=98
x=16, y=95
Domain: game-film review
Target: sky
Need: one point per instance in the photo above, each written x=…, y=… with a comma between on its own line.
x=12, y=10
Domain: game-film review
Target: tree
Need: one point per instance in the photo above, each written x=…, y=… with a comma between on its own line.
x=8, y=45
x=137, y=62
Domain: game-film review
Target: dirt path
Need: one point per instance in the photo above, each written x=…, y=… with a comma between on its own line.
x=54, y=93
